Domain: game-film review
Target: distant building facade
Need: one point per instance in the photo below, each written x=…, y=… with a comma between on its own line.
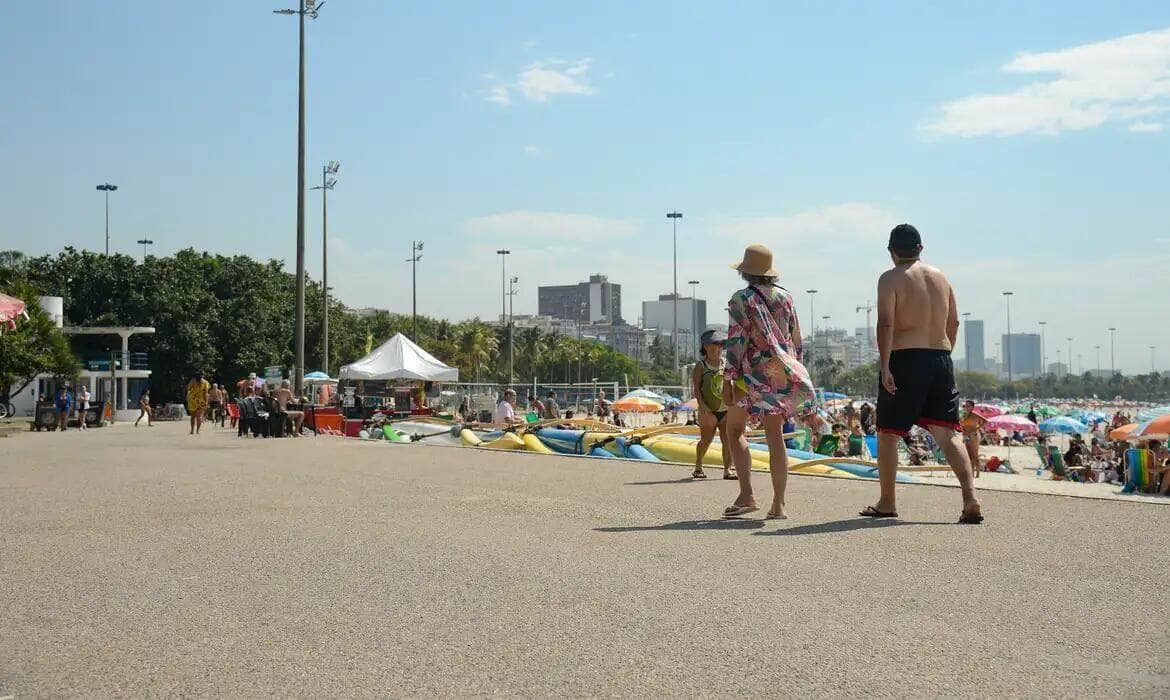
x=692, y=318
x=974, y=357
x=597, y=300
x=1021, y=352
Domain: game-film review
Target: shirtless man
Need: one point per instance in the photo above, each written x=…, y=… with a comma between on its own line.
x=283, y=397
x=916, y=329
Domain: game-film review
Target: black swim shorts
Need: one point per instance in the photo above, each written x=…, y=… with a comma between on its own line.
x=926, y=393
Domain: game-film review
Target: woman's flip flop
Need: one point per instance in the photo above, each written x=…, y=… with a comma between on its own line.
x=871, y=512
x=737, y=511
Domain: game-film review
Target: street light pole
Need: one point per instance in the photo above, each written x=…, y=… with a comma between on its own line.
x=694, y=319
x=1112, y=355
x=307, y=8
x=812, y=313
x=1043, y=355
x=144, y=242
x=674, y=216
x=504, y=253
x=1152, y=359
x=1070, y=355
x=327, y=183
x=1008, y=349
x=511, y=308
x=415, y=255
x=107, y=188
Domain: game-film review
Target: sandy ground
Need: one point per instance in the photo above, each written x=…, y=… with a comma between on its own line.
x=148, y=562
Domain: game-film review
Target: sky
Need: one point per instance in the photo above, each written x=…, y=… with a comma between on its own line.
x=1028, y=142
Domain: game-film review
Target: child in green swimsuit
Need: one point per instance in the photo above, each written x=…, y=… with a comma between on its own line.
x=707, y=384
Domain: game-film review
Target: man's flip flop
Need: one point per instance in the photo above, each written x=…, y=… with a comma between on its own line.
x=736, y=511
x=698, y=475
x=730, y=477
x=871, y=512
x=970, y=518
x=775, y=516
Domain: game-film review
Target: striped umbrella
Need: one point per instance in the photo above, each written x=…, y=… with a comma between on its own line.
x=1156, y=429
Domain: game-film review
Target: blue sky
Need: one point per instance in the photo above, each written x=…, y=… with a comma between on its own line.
x=1030, y=145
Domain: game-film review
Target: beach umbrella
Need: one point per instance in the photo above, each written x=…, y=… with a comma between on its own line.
x=316, y=375
x=988, y=410
x=1152, y=413
x=1156, y=429
x=635, y=404
x=691, y=405
x=1011, y=423
x=669, y=400
x=831, y=395
x=642, y=394
x=1123, y=432
x=11, y=309
x=1063, y=424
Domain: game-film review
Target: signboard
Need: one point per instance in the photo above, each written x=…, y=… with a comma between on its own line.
x=273, y=374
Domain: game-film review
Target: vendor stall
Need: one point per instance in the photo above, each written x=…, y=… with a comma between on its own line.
x=395, y=378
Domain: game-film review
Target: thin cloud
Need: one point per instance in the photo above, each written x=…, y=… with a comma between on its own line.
x=531, y=150
x=1118, y=80
x=1146, y=127
x=543, y=80
x=548, y=226
x=849, y=221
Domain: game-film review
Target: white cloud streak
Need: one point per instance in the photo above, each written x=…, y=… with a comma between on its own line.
x=1118, y=80
x=543, y=80
x=1146, y=127
x=851, y=221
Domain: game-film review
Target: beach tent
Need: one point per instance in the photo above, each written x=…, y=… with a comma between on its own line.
x=11, y=309
x=399, y=358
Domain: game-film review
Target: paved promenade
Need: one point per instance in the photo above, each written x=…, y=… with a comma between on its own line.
x=146, y=562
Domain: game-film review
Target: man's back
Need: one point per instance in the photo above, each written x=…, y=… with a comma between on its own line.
x=923, y=304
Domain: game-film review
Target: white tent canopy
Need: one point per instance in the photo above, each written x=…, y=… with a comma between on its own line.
x=399, y=358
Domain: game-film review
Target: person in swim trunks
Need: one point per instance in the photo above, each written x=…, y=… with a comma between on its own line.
x=972, y=424
x=707, y=384
x=918, y=321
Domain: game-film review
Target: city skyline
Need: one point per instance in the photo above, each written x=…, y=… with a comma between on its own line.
x=565, y=134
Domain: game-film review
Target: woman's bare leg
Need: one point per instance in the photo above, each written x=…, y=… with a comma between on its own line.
x=741, y=457
x=972, y=445
x=706, y=435
x=725, y=445
x=777, y=462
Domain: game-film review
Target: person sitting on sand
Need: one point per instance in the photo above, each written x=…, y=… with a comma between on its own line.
x=283, y=398
x=552, y=410
x=707, y=385
x=505, y=415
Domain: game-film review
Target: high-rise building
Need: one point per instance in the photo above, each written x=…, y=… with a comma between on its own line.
x=597, y=300
x=1022, y=353
x=974, y=360
x=692, y=317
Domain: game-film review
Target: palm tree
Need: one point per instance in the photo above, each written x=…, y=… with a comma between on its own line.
x=529, y=350
x=478, y=345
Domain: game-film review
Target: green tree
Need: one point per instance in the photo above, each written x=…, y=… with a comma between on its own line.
x=35, y=347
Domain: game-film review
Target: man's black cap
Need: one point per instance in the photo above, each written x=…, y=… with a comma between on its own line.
x=904, y=236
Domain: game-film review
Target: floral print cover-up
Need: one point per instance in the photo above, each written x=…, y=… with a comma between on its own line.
x=764, y=351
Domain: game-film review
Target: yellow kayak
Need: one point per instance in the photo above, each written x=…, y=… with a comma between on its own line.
x=682, y=450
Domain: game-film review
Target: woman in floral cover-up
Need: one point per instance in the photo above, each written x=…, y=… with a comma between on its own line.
x=764, y=374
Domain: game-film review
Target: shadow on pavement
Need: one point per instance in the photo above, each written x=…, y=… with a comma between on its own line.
x=728, y=524
x=684, y=480
x=859, y=523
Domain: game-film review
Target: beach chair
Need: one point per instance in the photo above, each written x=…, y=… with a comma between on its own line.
x=1138, y=476
x=856, y=443
x=827, y=445
x=1056, y=463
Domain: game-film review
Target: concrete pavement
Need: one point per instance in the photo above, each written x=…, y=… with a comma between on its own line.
x=149, y=562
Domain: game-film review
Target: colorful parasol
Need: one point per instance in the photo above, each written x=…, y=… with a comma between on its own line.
x=988, y=410
x=1012, y=423
x=1063, y=424
x=635, y=404
x=1123, y=432
x=1156, y=429
x=11, y=309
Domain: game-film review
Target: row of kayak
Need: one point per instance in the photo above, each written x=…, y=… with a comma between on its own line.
x=680, y=447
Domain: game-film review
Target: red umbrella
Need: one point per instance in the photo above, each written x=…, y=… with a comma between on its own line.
x=988, y=410
x=11, y=309
x=1012, y=423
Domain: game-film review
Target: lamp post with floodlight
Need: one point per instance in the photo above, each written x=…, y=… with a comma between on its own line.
x=107, y=188
x=327, y=183
x=674, y=216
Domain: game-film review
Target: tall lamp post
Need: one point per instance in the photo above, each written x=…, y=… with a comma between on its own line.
x=144, y=242
x=1008, y=347
x=1112, y=355
x=308, y=8
x=1152, y=348
x=504, y=253
x=511, y=308
x=1043, y=352
x=1098, y=349
x=674, y=216
x=415, y=255
x=327, y=183
x=694, y=319
x=1070, y=355
x=812, y=314
x=107, y=188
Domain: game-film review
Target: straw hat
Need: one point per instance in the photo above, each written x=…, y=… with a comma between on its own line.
x=757, y=260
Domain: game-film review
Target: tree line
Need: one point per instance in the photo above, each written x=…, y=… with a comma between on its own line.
x=231, y=315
